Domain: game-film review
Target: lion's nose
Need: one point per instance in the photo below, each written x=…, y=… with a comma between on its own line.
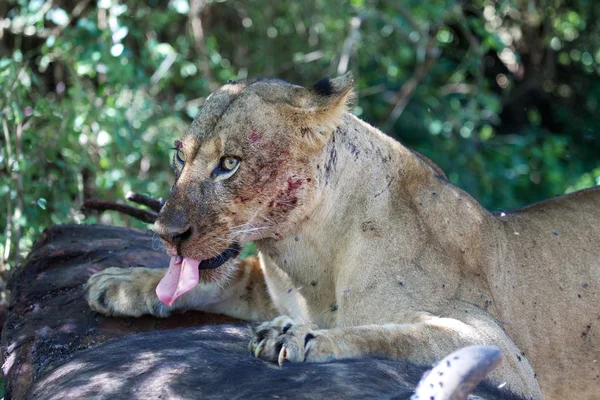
x=176, y=237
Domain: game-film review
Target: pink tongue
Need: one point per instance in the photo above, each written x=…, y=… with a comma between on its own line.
x=181, y=277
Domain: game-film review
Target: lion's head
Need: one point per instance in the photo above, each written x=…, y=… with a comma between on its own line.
x=246, y=169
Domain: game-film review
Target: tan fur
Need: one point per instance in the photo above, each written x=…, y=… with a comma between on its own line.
x=366, y=248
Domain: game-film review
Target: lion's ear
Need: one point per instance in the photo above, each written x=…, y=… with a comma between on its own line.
x=319, y=108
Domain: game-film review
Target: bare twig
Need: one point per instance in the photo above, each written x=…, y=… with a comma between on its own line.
x=195, y=16
x=9, y=228
x=407, y=90
x=153, y=204
x=18, y=177
x=101, y=206
x=347, y=49
x=163, y=68
x=427, y=55
x=382, y=87
x=13, y=230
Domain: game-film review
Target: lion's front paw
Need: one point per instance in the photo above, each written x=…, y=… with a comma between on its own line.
x=281, y=339
x=126, y=292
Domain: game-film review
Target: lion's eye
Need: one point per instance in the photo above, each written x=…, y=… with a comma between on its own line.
x=226, y=168
x=229, y=163
x=180, y=156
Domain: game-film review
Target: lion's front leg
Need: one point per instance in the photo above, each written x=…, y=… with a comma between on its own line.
x=281, y=339
x=126, y=292
x=131, y=292
x=420, y=342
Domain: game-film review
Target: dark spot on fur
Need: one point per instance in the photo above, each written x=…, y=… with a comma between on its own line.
x=305, y=131
x=384, y=157
x=353, y=150
x=331, y=161
x=370, y=227
x=334, y=307
x=555, y=233
x=323, y=87
x=401, y=283
x=390, y=180
x=314, y=283
x=519, y=358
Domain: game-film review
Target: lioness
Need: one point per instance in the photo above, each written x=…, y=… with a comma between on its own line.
x=365, y=247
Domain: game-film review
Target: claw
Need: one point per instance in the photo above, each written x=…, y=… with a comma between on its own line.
x=282, y=356
x=259, y=348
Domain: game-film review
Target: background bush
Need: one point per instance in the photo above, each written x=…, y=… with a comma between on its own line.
x=503, y=95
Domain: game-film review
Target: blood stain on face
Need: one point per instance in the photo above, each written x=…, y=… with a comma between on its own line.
x=293, y=184
x=254, y=136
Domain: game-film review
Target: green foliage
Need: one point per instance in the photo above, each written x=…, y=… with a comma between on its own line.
x=503, y=95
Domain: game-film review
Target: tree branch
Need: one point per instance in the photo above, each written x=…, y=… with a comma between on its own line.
x=153, y=204
x=430, y=53
x=407, y=90
x=139, y=214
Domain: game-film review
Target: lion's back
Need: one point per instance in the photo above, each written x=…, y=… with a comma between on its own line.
x=549, y=282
